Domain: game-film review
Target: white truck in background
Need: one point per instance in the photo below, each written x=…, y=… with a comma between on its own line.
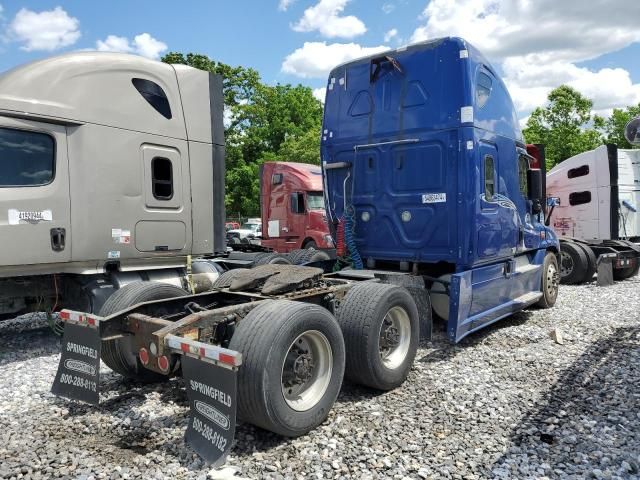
x=594, y=208
x=112, y=172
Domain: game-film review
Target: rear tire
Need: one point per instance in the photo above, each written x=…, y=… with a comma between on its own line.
x=550, y=281
x=271, y=259
x=120, y=354
x=293, y=363
x=381, y=329
x=592, y=262
x=573, y=263
x=310, y=256
x=224, y=280
x=293, y=255
x=310, y=244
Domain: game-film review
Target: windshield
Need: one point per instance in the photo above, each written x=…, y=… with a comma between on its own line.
x=251, y=226
x=315, y=201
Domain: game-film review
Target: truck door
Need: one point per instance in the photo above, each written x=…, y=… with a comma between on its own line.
x=297, y=217
x=498, y=223
x=34, y=193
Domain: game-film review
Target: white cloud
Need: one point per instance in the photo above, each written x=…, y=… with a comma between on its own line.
x=388, y=8
x=390, y=34
x=538, y=43
x=284, y=4
x=147, y=46
x=320, y=93
x=143, y=44
x=114, y=43
x=316, y=59
x=608, y=87
x=568, y=30
x=325, y=18
x=47, y=30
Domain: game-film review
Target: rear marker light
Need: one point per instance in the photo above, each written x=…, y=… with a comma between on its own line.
x=224, y=358
x=163, y=363
x=144, y=356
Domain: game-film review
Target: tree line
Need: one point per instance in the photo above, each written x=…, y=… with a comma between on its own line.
x=283, y=122
x=262, y=123
x=567, y=127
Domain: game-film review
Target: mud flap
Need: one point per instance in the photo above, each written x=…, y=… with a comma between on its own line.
x=78, y=375
x=212, y=397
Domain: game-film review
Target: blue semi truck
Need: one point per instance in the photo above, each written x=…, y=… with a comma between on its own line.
x=434, y=203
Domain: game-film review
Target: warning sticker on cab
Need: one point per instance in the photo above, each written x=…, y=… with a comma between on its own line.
x=434, y=197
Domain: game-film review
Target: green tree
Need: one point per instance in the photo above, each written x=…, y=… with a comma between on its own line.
x=563, y=125
x=614, y=125
x=262, y=122
x=303, y=148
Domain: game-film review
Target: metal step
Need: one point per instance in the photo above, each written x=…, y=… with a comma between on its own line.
x=528, y=298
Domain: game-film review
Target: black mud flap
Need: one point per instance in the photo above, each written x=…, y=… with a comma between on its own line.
x=212, y=397
x=78, y=374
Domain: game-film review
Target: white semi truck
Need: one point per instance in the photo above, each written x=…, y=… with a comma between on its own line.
x=594, y=207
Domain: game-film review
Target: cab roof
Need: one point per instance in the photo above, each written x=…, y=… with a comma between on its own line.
x=100, y=88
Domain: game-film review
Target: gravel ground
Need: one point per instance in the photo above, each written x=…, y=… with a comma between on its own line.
x=508, y=402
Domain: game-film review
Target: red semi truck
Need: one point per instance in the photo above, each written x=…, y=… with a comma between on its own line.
x=292, y=203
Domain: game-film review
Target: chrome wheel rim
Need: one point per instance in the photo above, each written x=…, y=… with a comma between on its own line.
x=395, y=337
x=306, y=370
x=566, y=264
x=553, y=280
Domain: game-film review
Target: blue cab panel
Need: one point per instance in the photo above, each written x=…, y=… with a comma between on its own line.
x=422, y=153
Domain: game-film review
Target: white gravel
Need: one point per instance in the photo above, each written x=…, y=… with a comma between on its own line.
x=508, y=402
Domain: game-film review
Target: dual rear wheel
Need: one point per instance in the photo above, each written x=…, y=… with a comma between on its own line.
x=296, y=354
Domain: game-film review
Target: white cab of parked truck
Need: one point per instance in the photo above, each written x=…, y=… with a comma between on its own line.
x=112, y=171
x=599, y=194
x=594, y=208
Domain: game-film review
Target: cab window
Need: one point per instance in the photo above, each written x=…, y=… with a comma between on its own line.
x=27, y=159
x=489, y=178
x=523, y=166
x=315, y=201
x=483, y=89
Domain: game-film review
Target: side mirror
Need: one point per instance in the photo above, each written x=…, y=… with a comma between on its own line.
x=534, y=184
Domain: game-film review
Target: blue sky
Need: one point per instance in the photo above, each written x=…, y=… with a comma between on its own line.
x=536, y=45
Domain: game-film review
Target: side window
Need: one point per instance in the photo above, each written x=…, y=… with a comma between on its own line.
x=276, y=179
x=523, y=166
x=579, y=198
x=483, y=89
x=297, y=203
x=578, y=172
x=27, y=159
x=162, y=178
x=489, y=178
x=153, y=93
